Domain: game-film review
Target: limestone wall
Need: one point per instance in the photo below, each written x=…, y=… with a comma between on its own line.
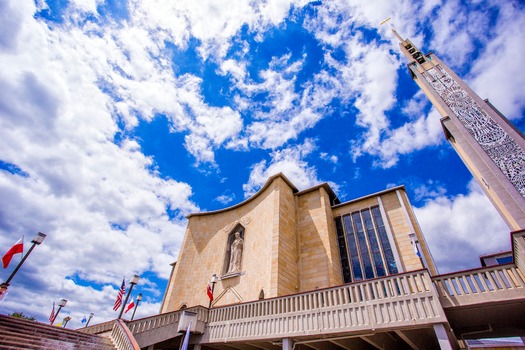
x=204, y=250
x=319, y=262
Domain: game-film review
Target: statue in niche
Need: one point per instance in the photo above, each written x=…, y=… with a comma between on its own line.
x=236, y=254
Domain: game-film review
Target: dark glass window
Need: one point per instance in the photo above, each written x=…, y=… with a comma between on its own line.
x=366, y=251
x=374, y=245
x=385, y=243
x=363, y=247
x=347, y=276
x=352, y=248
x=504, y=260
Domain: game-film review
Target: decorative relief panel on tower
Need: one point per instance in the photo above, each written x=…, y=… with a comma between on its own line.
x=498, y=145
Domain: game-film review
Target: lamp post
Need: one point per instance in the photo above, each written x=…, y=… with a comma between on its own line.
x=62, y=303
x=213, y=281
x=89, y=319
x=134, y=280
x=66, y=320
x=139, y=298
x=39, y=238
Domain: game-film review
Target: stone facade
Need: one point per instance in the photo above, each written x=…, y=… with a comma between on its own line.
x=290, y=244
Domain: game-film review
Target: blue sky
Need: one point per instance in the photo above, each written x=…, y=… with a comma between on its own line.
x=119, y=118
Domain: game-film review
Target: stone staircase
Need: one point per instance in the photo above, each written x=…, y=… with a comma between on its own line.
x=16, y=333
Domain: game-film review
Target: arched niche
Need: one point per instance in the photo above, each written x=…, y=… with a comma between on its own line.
x=227, y=269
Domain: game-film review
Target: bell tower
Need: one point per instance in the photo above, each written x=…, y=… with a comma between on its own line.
x=489, y=145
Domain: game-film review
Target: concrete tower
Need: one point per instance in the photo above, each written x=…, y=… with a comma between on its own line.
x=489, y=145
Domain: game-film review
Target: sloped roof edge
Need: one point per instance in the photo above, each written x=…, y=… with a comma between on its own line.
x=257, y=194
x=400, y=187
x=333, y=197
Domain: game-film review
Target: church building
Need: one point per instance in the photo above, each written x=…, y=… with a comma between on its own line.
x=295, y=241
x=290, y=269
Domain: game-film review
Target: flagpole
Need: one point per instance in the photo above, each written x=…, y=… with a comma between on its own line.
x=139, y=298
x=39, y=238
x=62, y=303
x=134, y=280
x=213, y=281
x=89, y=319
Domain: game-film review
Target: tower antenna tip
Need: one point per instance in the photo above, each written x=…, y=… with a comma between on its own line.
x=386, y=20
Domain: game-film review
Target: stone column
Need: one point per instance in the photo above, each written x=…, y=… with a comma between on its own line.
x=441, y=334
x=287, y=344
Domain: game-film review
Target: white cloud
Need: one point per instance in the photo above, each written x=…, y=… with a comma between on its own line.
x=430, y=191
x=423, y=132
x=329, y=158
x=283, y=113
x=226, y=197
x=499, y=65
x=453, y=32
x=290, y=161
x=207, y=20
x=460, y=229
x=372, y=70
x=58, y=127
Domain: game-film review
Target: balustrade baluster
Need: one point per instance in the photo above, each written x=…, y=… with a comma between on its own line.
x=515, y=277
x=480, y=283
x=488, y=281
x=499, y=281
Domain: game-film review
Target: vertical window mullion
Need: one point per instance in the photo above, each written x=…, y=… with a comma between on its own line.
x=386, y=247
x=379, y=242
x=343, y=250
x=373, y=244
x=363, y=245
x=353, y=252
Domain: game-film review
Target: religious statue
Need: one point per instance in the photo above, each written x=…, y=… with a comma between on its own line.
x=236, y=254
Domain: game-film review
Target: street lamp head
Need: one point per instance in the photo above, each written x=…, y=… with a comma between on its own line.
x=135, y=279
x=39, y=238
x=139, y=297
x=62, y=303
x=214, y=278
x=91, y=315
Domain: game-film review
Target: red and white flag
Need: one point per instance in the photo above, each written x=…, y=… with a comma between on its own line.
x=121, y=292
x=3, y=294
x=209, y=292
x=130, y=305
x=52, y=316
x=17, y=248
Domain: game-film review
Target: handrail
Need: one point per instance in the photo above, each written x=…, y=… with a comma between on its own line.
x=487, y=284
x=364, y=291
x=98, y=328
x=157, y=321
x=122, y=336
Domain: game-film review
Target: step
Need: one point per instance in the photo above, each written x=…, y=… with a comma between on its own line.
x=32, y=334
x=97, y=343
x=25, y=326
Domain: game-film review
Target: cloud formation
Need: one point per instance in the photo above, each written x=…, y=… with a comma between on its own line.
x=79, y=81
x=460, y=229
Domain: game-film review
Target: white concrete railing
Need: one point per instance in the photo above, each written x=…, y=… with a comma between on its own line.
x=164, y=320
x=98, y=328
x=395, y=301
x=122, y=337
x=154, y=329
x=489, y=284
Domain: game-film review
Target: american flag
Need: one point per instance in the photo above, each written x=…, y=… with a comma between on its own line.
x=121, y=292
